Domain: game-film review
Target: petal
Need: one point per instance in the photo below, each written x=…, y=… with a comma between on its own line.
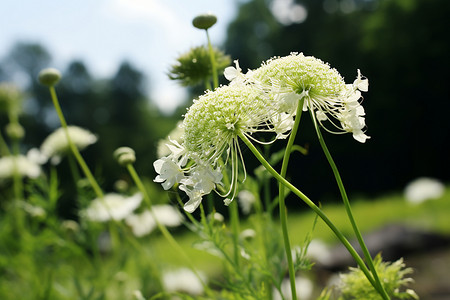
x=192, y=204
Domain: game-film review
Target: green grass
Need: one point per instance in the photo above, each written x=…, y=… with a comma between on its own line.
x=370, y=214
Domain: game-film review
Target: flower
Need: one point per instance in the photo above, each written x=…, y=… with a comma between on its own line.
x=144, y=223
x=164, y=145
x=246, y=201
x=210, y=141
x=20, y=164
x=194, y=67
x=112, y=206
x=56, y=144
x=304, y=289
x=422, y=189
x=169, y=172
x=183, y=280
x=292, y=78
x=394, y=275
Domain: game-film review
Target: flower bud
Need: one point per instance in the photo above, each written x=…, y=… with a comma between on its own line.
x=15, y=131
x=125, y=155
x=49, y=77
x=204, y=21
x=10, y=97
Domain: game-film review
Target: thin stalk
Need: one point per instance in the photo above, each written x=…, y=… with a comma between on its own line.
x=348, y=209
x=313, y=206
x=98, y=191
x=173, y=243
x=4, y=149
x=213, y=62
x=281, y=198
x=234, y=220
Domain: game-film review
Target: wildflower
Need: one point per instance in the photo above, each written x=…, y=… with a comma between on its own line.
x=56, y=144
x=304, y=289
x=422, y=189
x=211, y=129
x=354, y=285
x=169, y=172
x=194, y=67
x=292, y=78
x=175, y=136
x=112, y=206
x=24, y=167
x=182, y=280
x=246, y=201
x=144, y=223
x=319, y=252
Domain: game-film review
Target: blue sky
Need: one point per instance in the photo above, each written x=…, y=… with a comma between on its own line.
x=148, y=33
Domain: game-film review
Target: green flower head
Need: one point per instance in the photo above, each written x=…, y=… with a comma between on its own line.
x=211, y=127
x=354, y=285
x=292, y=78
x=194, y=67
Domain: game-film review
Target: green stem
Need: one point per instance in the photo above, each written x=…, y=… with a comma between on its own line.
x=213, y=62
x=98, y=191
x=4, y=150
x=348, y=209
x=234, y=220
x=281, y=198
x=173, y=243
x=313, y=206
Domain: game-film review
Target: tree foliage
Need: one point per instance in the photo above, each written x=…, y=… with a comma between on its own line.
x=401, y=46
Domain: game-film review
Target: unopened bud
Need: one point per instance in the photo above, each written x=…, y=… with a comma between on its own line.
x=204, y=21
x=15, y=131
x=125, y=155
x=49, y=77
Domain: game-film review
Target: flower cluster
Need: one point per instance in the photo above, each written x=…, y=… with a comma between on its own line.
x=292, y=78
x=56, y=144
x=264, y=100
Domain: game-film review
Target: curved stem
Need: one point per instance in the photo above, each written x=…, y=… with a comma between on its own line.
x=282, y=205
x=348, y=209
x=313, y=206
x=98, y=191
x=167, y=235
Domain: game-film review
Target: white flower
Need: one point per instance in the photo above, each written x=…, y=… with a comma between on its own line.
x=56, y=144
x=304, y=288
x=246, y=201
x=211, y=129
x=24, y=167
x=422, y=189
x=169, y=172
x=195, y=198
x=319, y=251
x=292, y=78
x=144, y=223
x=183, y=280
x=234, y=74
x=247, y=234
x=164, y=147
x=112, y=206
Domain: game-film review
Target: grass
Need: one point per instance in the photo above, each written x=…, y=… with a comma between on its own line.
x=370, y=214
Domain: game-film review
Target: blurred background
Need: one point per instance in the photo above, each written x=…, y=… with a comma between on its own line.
x=115, y=56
